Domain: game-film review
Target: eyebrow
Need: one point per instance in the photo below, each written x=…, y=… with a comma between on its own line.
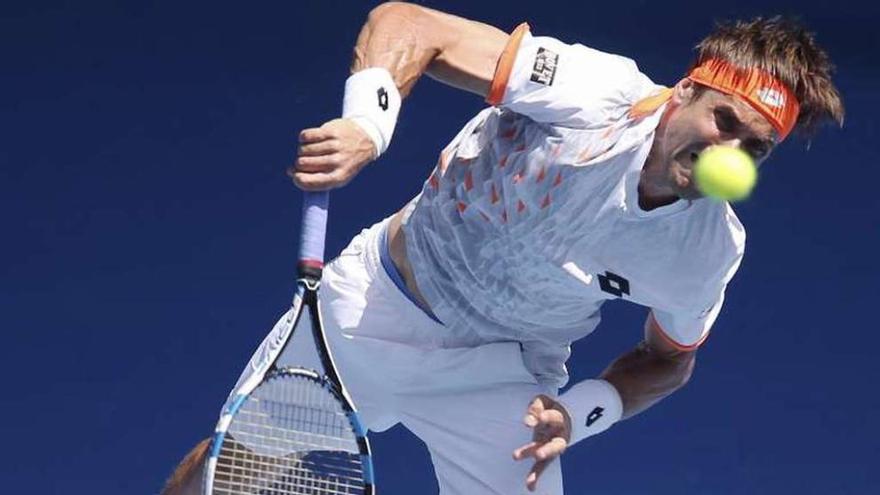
x=734, y=113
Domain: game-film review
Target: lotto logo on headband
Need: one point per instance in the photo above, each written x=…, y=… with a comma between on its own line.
x=771, y=97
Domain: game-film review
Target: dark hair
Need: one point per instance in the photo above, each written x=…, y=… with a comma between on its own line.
x=785, y=49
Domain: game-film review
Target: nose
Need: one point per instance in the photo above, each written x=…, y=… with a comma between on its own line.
x=733, y=143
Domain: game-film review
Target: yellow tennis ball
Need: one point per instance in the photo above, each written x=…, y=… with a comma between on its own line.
x=725, y=173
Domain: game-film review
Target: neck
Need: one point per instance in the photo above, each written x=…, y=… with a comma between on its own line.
x=654, y=189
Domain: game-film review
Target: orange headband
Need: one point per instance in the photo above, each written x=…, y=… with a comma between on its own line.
x=765, y=93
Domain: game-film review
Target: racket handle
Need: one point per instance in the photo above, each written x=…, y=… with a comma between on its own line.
x=313, y=233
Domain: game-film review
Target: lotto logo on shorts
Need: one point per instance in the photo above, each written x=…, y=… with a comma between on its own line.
x=544, y=69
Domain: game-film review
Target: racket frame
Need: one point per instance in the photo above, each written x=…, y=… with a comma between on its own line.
x=310, y=268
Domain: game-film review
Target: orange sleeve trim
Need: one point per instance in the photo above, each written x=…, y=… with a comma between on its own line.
x=672, y=342
x=505, y=65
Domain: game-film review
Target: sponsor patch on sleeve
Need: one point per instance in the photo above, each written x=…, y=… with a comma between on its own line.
x=544, y=70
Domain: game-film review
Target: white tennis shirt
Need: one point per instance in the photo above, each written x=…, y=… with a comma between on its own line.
x=530, y=221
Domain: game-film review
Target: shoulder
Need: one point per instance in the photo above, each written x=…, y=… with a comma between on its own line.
x=571, y=85
x=716, y=236
x=609, y=83
x=721, y=223
x=613, y=68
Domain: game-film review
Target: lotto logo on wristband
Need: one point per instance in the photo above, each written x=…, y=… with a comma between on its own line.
x=594, y=416
x=383, y=98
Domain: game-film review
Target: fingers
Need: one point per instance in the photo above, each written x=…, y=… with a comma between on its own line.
x=541, y=450
x=535, y=410
x=312, y=164
x=549, y=423
x=318, y=148
x=319, y=165
x=549, y=437
x=331, y=155
x=544, y=453
x=318, y=173
x=527, y=450
x=316, y=134
x=534, y=474
x=318, y=181
x=553, y=448
x=546, y=424
x=536, y=407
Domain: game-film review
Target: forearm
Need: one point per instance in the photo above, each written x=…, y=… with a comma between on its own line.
x=644, y=376
x=409, y=41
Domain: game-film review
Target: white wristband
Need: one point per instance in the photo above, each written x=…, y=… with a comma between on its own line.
x=593, y=405
x=373, y=102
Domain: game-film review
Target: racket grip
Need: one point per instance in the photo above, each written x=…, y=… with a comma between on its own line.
x=313, y=233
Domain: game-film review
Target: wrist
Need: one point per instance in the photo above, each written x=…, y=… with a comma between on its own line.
x=592, y=407
x=372, y=101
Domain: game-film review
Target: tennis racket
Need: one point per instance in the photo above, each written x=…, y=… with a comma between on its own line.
x=293, y=430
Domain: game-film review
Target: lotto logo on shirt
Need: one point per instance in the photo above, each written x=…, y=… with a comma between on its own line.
x=544, y=69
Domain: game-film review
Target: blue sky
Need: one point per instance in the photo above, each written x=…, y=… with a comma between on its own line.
x=150, y=234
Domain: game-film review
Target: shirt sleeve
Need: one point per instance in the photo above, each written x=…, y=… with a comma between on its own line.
x=567, y=85
x=686, y=328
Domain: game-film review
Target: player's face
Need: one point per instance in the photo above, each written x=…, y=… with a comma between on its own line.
x=697, y=121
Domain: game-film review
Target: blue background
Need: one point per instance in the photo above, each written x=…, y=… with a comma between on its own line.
x=149, y=240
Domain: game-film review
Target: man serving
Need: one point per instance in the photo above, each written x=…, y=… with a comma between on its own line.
x=455, y=315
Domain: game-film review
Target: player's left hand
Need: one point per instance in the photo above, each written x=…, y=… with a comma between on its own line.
x=551, y=432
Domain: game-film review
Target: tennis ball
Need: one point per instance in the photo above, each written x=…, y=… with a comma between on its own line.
x=725, y=173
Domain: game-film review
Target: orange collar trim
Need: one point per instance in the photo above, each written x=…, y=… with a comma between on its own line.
x=648, y=105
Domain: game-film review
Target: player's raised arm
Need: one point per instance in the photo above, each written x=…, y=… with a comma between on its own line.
x=410, y=40
x=397, y=45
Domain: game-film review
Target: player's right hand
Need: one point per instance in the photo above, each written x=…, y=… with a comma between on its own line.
x=331, y=155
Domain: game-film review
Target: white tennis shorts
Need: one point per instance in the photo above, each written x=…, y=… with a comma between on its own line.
x=399, y=365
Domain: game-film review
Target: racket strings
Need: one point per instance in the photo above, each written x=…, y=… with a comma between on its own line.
x=290, y=437
x=258, y=428
x=246, y=463
x=281, y=478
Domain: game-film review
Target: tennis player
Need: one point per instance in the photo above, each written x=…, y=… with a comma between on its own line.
x=454, y=316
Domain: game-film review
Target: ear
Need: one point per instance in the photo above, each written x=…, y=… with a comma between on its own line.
x=683, y=92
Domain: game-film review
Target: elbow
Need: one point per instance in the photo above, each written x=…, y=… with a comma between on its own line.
x=388, y=8
x=685, y=364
